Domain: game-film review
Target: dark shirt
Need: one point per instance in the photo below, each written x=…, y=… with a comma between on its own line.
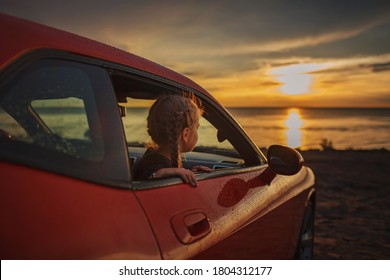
x=150, y=162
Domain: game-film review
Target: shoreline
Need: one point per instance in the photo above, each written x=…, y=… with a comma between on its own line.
x=353, y=209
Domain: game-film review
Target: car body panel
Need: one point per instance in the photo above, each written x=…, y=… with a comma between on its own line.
x=48, y=216
x=230, y=203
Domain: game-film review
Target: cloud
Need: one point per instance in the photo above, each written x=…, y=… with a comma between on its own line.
x=221, y=28
x=381, y=67
x=230, y=31
x=350, y=65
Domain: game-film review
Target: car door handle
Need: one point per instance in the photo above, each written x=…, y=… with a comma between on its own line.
x=190, y=225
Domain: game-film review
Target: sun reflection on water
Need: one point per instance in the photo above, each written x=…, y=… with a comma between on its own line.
x=294, y=123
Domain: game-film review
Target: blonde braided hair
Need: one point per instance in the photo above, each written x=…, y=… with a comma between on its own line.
x=167, y=118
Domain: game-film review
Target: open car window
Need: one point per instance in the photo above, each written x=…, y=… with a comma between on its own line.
x=221, y=145
x=209, y=151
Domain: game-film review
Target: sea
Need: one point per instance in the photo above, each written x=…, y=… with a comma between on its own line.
x=303, y=128
x=317, y=128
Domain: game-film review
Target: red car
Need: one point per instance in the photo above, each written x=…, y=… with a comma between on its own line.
x=72, y=128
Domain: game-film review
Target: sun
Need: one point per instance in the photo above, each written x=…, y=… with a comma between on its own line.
x=295, y=83
x=296, y=78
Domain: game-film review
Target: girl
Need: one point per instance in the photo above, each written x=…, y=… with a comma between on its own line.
x=173, y=123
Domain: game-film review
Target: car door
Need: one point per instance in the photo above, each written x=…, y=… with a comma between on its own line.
x=229, y=212
x=224, y=216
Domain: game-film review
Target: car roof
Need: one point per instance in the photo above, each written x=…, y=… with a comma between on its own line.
x=21, y=36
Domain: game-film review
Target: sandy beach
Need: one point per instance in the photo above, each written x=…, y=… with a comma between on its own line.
x=353, y=204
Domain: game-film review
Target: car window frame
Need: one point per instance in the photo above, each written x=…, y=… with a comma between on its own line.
x=251, y=151
x=115, y=152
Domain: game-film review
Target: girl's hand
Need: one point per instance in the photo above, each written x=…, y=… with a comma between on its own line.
x=185, y=174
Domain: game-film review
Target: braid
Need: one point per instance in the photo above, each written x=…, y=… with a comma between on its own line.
x=174, y=128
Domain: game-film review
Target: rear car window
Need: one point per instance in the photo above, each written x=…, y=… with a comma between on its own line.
x=51, y=105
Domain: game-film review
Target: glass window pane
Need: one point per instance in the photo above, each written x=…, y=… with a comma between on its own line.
x=65, y=117
x=52, y=105
x=12, y=129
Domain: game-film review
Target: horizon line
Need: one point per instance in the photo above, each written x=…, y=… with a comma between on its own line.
x=303, y=107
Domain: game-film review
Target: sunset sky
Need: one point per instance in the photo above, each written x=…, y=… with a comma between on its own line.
x=300, y=53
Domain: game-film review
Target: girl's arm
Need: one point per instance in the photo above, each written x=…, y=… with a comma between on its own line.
x=185, y=174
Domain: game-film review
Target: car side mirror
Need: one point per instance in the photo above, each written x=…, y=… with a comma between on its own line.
x=284, y=160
